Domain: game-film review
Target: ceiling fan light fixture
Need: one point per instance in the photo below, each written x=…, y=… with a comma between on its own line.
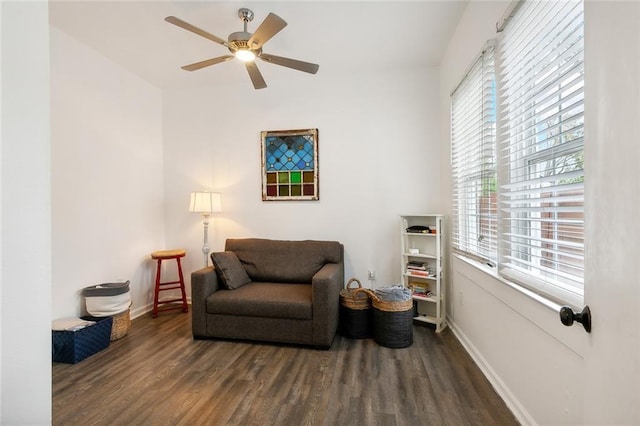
x=245, y=55
x=246, y=46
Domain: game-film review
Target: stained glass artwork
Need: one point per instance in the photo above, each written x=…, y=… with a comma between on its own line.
x=290, y=165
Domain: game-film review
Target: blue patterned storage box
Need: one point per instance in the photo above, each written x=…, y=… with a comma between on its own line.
x=71, y=347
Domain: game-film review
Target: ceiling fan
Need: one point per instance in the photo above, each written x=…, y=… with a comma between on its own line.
x=247, y=46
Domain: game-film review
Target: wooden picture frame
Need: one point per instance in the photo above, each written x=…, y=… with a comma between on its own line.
x=290, y=165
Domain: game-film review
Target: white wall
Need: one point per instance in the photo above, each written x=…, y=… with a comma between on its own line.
x=612, y=153
x=25, y=229
x=548, y=373
x=378, y=138
x=1, y=257
x=107, y=184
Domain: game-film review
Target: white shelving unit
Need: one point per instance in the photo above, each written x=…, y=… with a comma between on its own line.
x=423, y=250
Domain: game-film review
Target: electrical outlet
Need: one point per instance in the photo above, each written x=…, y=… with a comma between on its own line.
x=372, y=274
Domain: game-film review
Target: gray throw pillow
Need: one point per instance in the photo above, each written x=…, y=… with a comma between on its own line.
x=230, y=270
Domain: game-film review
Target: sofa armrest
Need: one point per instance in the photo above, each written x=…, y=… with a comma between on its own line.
x=326, y=286
x=204, y=282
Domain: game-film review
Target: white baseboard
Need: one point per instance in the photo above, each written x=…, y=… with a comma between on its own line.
x=135, y=313
x=521, y=414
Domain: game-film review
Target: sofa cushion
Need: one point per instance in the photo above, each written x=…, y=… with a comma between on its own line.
x=284, y=261
x=230, y=270
x=260, y=299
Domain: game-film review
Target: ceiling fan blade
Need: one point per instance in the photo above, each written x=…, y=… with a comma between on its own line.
x=256, y=76
x=208, y=62
x=290, y=63
x=271, y=26
x=187, y=26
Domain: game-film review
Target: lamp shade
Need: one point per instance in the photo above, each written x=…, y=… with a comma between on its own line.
x=205, y=202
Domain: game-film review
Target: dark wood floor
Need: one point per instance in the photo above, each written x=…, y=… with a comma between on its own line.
x=159, y=375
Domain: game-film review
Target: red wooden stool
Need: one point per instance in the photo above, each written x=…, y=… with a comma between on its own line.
x=169, y=285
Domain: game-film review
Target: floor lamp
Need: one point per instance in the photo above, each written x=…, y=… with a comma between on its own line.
x=205, y=203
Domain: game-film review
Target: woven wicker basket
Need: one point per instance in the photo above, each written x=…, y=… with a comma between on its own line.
x=353, y=298
x=121, y=325
x=385, y=306
x=392, y=322
x=356, y=315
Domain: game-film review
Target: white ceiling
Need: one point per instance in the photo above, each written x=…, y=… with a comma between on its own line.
x=338, y=35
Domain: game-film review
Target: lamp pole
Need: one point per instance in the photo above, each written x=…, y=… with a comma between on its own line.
x=205, y=247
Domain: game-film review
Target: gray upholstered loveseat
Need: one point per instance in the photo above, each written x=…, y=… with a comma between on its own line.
x=290, y=292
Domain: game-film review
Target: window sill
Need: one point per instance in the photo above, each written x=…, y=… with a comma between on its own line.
x=541, y=312
x=494, y=274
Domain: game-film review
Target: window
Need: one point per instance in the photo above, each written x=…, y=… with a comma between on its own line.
x=473, y=160
x=541, y=143
x=536, y=236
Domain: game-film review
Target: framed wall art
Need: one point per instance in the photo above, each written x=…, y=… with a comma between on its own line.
x=290, y=165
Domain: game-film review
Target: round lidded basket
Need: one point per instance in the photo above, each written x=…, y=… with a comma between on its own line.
x=392, y=322
x=356, y=319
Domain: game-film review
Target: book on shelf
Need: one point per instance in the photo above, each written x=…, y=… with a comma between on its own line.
x=418, y=273
x=419, y=289
x=419, y=229
x=417, y=266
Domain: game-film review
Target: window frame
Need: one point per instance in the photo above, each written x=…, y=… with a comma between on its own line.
x=474, y=186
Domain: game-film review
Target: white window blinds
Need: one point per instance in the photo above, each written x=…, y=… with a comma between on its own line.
x=473, y=158
x=541, y=79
